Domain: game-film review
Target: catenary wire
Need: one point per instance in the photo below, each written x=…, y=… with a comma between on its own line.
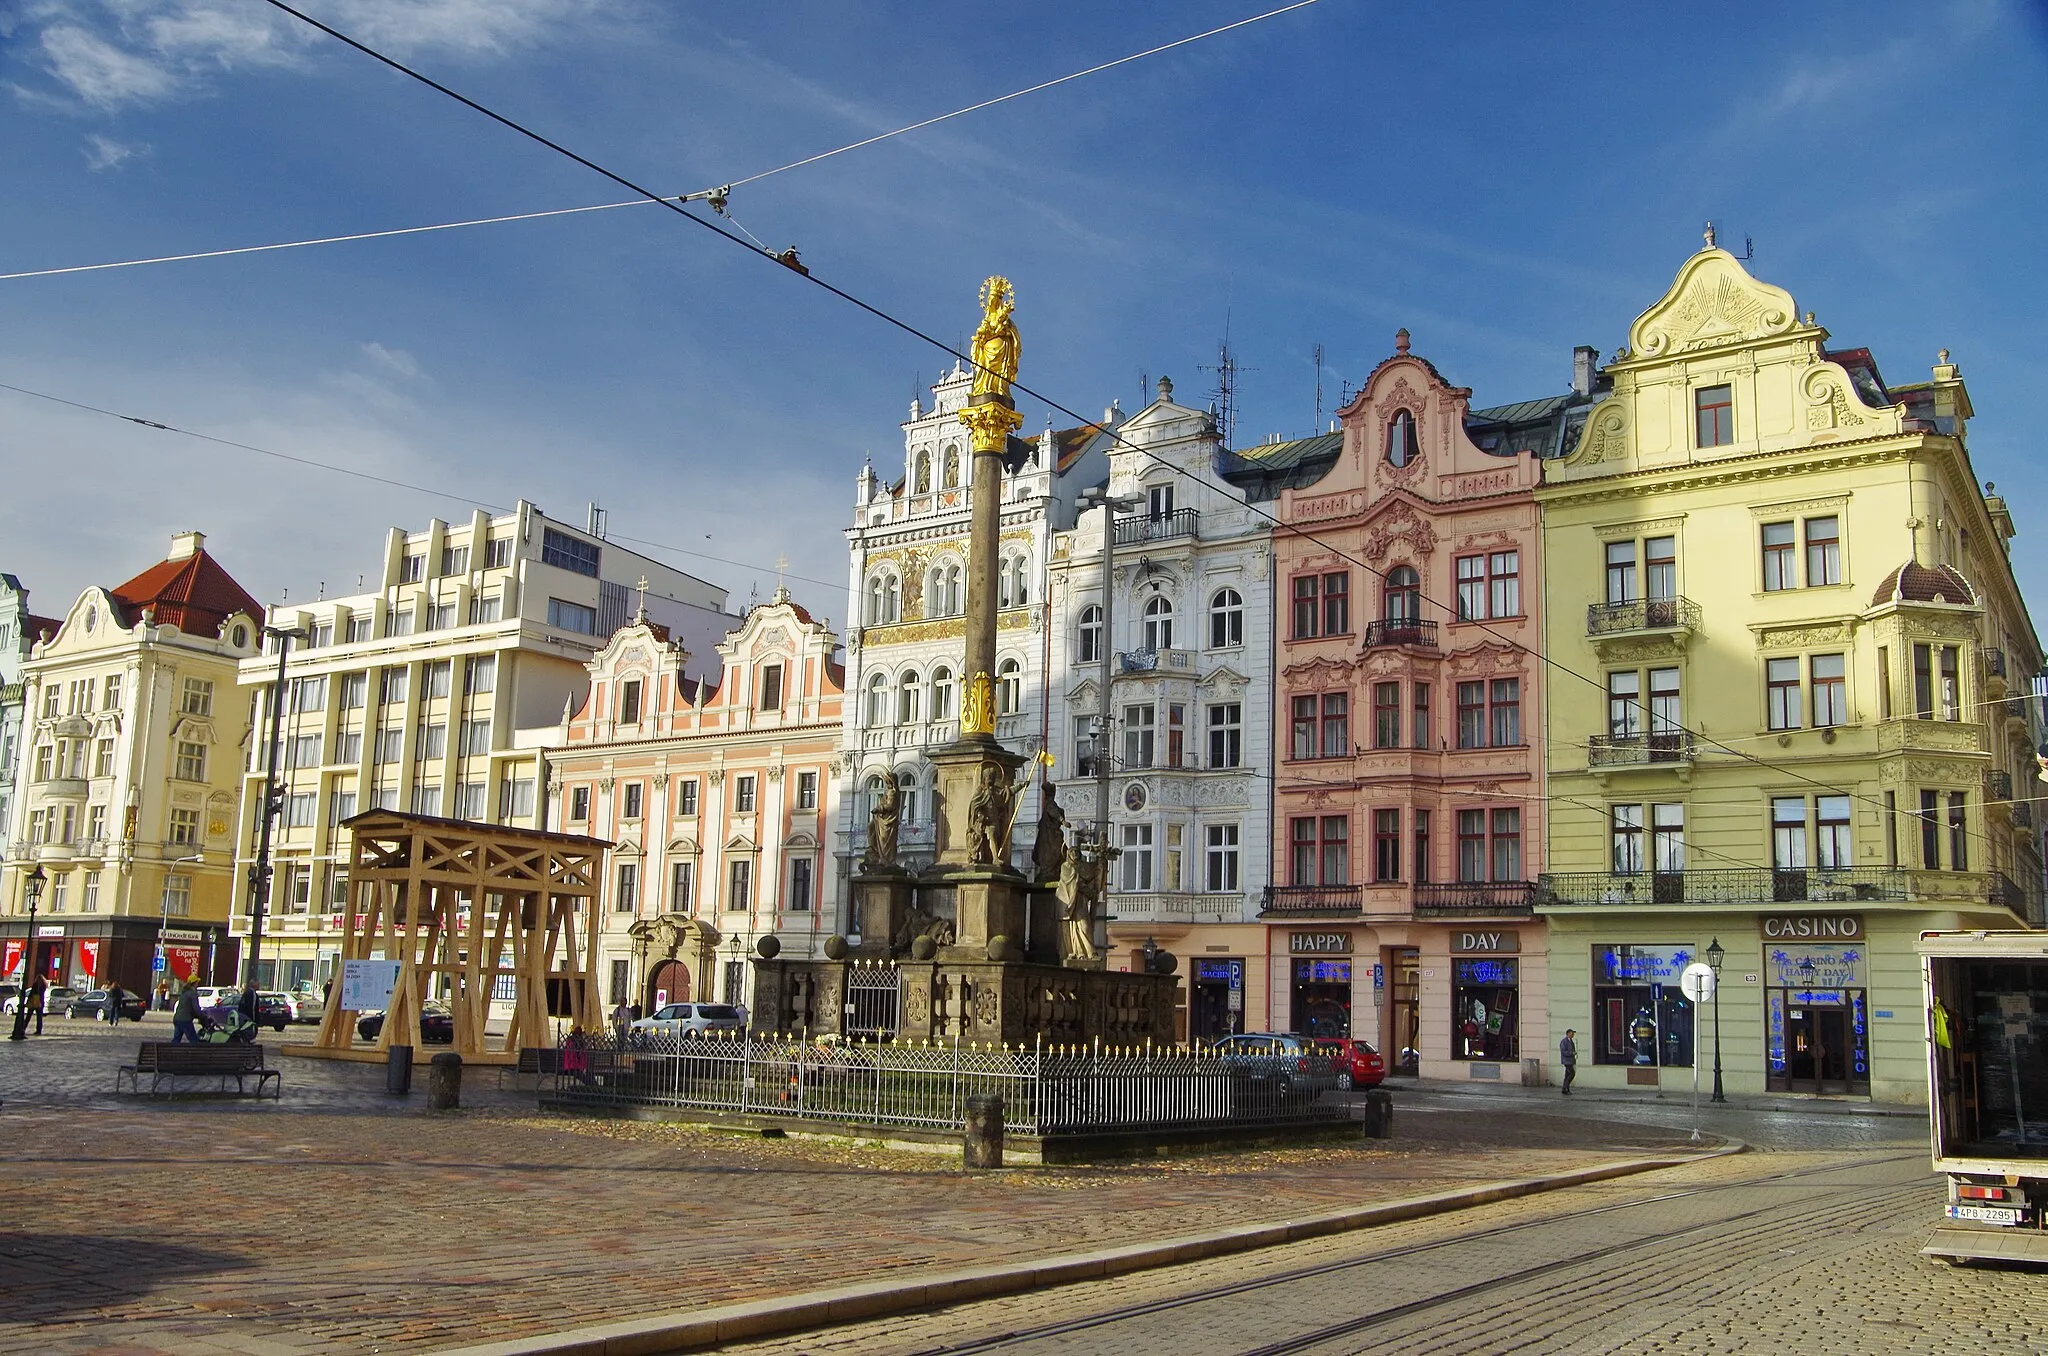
x=906, y=327
x=671, y=198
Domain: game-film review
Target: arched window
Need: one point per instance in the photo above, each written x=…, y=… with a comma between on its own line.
x=1402, y=595
x=885, y=599
x=1158, y=624
x=951, y=464
x=1020, y=588
x=942, y=592
x=908, y=705
x=1088, y=642
x=1401, y=438
x=875, y=784
x=1009, y=687
x=955, y=602
x=942, y=693
x=1226, y=620
x=921, y=476
x=906, y=801
x=878, y=699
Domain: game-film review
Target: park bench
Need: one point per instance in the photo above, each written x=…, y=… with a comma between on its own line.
x=163, y=1060
x=535, y=1062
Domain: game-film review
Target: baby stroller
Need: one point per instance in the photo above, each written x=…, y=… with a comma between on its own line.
x=226, y=1026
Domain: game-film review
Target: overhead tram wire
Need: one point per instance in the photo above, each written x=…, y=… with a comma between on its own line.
x=907, y=328
x=432, y=492
x=706, y=194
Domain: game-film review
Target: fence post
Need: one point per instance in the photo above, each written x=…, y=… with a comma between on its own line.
x=746, y=1065
x=981, y=1143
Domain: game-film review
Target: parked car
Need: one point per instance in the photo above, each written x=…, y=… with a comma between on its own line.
x=437, y=1024
x=1280, y=1061
x=1358, y=1065
x=216, y=995
x=55, y=999
x=693, y=1019
x=305, y=1008
x=271, y=1010
x=94, y=1005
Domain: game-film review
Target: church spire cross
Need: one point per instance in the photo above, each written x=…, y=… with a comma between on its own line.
x=640, y=601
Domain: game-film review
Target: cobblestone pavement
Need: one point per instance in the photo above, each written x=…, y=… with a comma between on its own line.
x=1812, y=1250
x=343, y=1220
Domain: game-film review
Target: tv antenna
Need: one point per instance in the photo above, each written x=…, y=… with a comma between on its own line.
x=1317, y=427
x=1225, y=391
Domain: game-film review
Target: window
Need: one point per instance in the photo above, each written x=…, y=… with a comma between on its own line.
x=771, y=689
x=1507, y=844
x=1386, y=845
x=1781, y=566
x=878, y=699
x=1139, y=725
x=1401, y=439
x=454, y=560
x=384, y=798
x=1009, y=687
x=426, y=799
x=1176, y=736
x=1471, y=588
x=1303, y=743
x=191, y=761
x=686, y=797
x=1472, y=715
x=96, y=824
x=103, y=758
x=626, y=890
x=568, y=616
x=320, y=636
x=308, y=695
x=1715, y=410
x=178, y=896
x=441, y=616
x=1831, y=833
x=1419, y=699
x=1322, y=605
x=1626, y=837
x=1134, y=866
x=110, y=699
x=1386, y=715
x=390, y=745
x=433, y=743
x=515, y=799
x=45, y=761
x=1307, y=607
x=1336, y=604
x=682, y=886
x=1158, y=624
x=1159, y=501
x=1624, y=705
x=1084, y=746
x=1930, y=830
x=568, y=553
x=942, y=693
x=909, y=701
x=1958, y=831
x=1667, y=838
x=485, y=609
x=183, y=827
x=1226, y=619
x=1823, y=551
x=1471, y=845
x=744, y=795
x=1220, y=855
x=801, y=870
x=1830, y=690
x=806, y=790
x=1226, y=735
x=579, y=804
x=1884, y=682
x=60, y=882
x=1013, y=582
x=1336, y=725
x=341, y=806
x=1781, y=693
x=359, y=628
x=412, y=568
x=1507, y=712
x=942, y=592
x=1401, y=595
x=353, y=691
x=198, y=697
x=303, y=751
x=497, y=553
x=435, y=679
x=1088, y=641
x=1951, y=684
x=1660, y=568
x=634, y=801
x=1321, y=850
x=300, y=808
x=391, y=691
x=885, y=599
x=476, y=738
x=1421, y=818
x=481, y=674
x=398, y=622
x=1490, y=586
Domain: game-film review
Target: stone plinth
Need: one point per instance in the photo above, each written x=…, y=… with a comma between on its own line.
x=1015, y=1002
x=883, y=898
x=960, y=767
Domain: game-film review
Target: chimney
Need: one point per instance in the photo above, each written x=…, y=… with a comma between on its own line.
x=1585, y=358
x=185, y=545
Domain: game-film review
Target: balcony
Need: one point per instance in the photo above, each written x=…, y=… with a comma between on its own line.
x=1642, y=614
x=1738, y=886
x=1179, y=523
x=913, y=837
x=64, y=788
x=1141, y=907
x=1994, y=674
x=1313, y=901
x=1156, y=661
x=1998, y=784
x=1400, y=631
x=1639, y=749
x=1475, y=899
x=2022, y=814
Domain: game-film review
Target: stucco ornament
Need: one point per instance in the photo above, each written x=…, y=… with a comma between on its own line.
x=1713, y=302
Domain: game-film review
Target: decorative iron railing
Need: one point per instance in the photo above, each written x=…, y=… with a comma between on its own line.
x=1643, y=614
x=1628, y=750
x=1474, y=898
x=1400, y=631
x=1312, y=901
x=1999, y=783
x=1730, y=885
x=1179, y=523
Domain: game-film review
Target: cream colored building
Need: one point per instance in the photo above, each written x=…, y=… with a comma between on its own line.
x=127, y=775
x=413, y=696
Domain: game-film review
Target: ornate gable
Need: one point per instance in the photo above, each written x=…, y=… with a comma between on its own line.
x=1713, y=302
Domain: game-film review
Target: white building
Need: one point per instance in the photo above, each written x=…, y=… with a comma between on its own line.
x=19, y=629
x=908, y=580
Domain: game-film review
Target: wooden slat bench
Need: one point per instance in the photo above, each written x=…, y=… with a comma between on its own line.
x=162, y=1060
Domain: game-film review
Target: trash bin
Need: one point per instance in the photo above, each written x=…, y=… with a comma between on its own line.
x=398, y=1071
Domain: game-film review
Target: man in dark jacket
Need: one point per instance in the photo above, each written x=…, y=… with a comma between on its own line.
x=185, y=1017
x=1568, y=1055
x=113, y=1004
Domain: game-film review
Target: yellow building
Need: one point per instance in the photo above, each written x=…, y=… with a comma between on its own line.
x=127, y=771
x=1784, y=618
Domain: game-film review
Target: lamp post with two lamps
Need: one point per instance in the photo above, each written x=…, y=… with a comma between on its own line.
x=32, y=888
x=273, y=802
x=1715, y=955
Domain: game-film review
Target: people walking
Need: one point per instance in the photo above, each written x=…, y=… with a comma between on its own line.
x=113, y=1004
x=36, y=996
x=1568, y=1055
x=185, y=1017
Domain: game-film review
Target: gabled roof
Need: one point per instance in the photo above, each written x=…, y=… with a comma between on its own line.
x=192, y=593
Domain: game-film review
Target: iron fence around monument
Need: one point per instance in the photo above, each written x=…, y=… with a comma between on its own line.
x=1045, y=1090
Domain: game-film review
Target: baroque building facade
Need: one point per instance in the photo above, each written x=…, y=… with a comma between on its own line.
x=127, y=774
x=19, y=630
x=1803, y=740
x=718, y=795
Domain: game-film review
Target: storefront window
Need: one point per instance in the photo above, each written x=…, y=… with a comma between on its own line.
x=1816, y=1018
x=1322, y=998
x=1485, y=1010
x=1216, y=999
x=1639, y=1015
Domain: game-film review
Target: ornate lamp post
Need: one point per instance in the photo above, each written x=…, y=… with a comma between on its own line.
x=33, y=889
x=1715, y=955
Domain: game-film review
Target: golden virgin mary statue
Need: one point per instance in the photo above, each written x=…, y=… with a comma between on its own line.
x=995, y=347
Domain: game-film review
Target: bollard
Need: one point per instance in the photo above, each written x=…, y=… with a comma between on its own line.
x=982, y=1140
x=398, y=1070
x=444, y=1082
x=1376, y=1116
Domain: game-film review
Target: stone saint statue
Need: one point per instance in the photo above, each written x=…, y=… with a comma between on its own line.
x=1079, y=893
x=988, y=818
x=1049, y=849
x=882, y=817
x=995, y=348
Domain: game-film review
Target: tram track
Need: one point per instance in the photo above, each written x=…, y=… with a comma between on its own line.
x=1318, y=1337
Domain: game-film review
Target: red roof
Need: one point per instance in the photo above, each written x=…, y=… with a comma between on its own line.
x=192, y=593
x=1917, y=583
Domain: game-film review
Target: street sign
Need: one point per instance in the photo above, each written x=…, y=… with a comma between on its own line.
x=1697, y=981
x=156, y=963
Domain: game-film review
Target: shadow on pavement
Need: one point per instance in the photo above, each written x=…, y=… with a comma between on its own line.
x=51, y=1276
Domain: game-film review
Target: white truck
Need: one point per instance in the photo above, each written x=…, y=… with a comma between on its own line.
x=1987, y=1070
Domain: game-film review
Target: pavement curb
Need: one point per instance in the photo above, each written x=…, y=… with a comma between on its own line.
x=841, y=1304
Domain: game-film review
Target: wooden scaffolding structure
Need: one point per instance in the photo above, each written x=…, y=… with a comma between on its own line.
x=462, y=907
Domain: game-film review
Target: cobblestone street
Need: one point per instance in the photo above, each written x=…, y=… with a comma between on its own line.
x=341, y=1219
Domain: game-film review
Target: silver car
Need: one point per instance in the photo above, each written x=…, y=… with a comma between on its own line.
x=693, y=1019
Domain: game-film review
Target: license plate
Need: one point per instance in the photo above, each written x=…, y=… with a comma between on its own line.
x=1987, y=1214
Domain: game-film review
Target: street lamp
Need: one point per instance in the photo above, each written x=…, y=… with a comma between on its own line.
x=273, y=802
x=33, y=888
x=1715, y=955
x=1098, y=496
x=160, y=972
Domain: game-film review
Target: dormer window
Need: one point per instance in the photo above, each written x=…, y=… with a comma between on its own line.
x=771, y=687
x=1401, y=446
x=629, y=702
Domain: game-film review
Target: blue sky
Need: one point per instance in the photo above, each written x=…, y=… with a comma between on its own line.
x=1504, y=180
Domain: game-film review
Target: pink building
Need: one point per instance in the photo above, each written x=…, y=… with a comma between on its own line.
x=1408, y=814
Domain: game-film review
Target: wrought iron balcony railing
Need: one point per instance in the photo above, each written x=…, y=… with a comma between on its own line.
x=1313, y=901
x=1999, y=783
x=1400, y=631
x=1474, y=899
x=2023, y=814
x=1179, y=523
x=1994, y=662
x=1643, y=614
x=1627, y=750
x=1728, y=885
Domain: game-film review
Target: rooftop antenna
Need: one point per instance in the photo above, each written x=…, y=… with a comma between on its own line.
x=1317, y=426
x=1225, y=391
x=598, y=518
x=1748, y=245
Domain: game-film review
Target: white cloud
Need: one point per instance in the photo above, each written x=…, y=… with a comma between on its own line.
x=393, y=360
x=98, y=72
x=105, y=153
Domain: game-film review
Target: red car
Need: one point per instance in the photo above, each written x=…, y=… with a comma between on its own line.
x=1358, y=1065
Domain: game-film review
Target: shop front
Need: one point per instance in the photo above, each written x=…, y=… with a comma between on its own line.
x=1817, y=1011
x=1216, y=992
x=1496, y=977
x=1319, y=983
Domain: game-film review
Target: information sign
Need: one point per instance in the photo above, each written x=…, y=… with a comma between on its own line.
x=366, y=985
